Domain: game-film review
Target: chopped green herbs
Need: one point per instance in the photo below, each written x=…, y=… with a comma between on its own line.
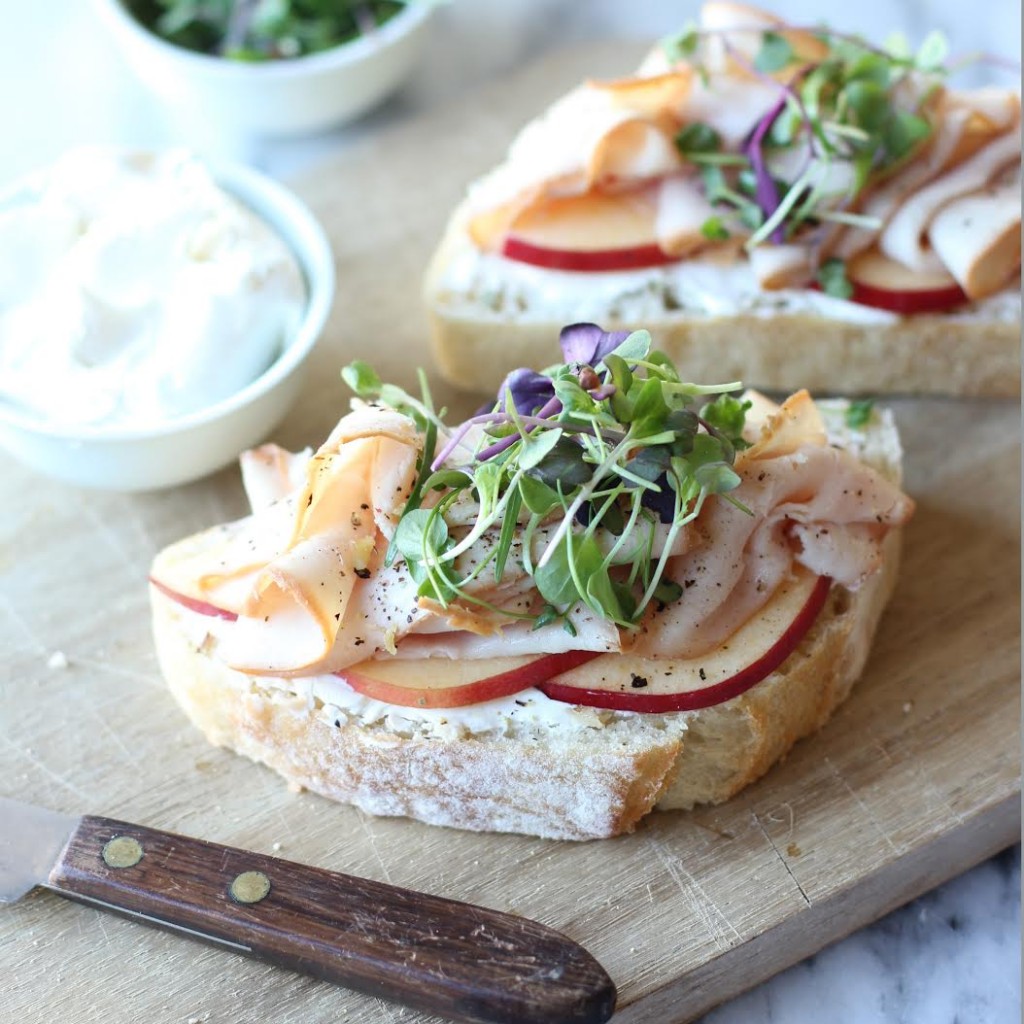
x=585, y=486
x=262, y=30
x=775, y=54
x=858, y=413
x=833, y=280
x=714, y=229
x=698, y=138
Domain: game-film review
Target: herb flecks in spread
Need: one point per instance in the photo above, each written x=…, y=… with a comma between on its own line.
x=818, y=158
x=608, y=447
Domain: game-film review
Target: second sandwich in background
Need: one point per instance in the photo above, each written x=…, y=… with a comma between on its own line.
x=787, y=204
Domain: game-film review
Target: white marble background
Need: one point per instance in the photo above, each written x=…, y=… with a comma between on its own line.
x=951, y=957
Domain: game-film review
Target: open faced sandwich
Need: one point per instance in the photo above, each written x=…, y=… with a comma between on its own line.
x=782, y=203
x=611, y=591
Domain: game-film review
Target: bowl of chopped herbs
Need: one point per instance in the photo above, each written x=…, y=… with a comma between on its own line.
x=270, y=67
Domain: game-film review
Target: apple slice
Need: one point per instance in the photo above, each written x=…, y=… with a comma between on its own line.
x=882, y=282
x=454, y=683
x=595, y=260
x=194, y=604
x=591, y=232
x=760, y=646
x=613, y=681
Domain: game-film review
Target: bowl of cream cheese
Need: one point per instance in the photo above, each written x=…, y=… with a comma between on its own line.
x=156, y=313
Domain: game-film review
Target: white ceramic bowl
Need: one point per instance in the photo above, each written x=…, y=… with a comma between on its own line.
x=194, y=445
x=285, y=97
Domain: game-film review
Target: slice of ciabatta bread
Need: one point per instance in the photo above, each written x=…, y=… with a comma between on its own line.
x=527, y=763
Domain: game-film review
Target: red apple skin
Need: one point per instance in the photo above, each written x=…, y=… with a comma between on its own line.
x=487, y=688
x=537, y=673
x=932, y=300
x=586, y=260
x=935, y=300
x=193, y=604
x=693, y=700
x=884, y=283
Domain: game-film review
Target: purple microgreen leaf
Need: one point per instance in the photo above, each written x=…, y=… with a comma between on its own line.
x=529, y=390
x=766, y=193
x=588, y=344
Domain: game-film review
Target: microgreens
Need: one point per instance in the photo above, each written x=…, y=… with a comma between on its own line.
x=261, y=30
x=859, y=105
x=582, y=476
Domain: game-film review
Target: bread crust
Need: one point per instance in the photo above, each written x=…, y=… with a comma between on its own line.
x=919, y=355
x=586, y=787
x=474, y=347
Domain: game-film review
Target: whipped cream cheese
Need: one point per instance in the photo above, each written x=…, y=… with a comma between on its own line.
x=483, y=282
x=133, y=290
x=530, y=711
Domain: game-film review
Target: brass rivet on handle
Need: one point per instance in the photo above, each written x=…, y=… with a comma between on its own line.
x=122, y=852
x=249, y=887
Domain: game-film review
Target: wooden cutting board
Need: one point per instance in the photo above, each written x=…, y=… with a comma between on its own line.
x=915, y=779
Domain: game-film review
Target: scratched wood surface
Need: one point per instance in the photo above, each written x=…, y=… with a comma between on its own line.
x=915, y=779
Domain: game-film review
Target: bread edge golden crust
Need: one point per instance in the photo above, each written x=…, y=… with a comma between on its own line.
x=923, y=354
x=587, y=788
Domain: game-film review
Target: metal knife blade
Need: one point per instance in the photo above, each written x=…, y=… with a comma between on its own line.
x=461, y=961
x=31, y=840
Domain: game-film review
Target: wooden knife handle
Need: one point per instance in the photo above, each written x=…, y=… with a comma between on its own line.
x=460, y=961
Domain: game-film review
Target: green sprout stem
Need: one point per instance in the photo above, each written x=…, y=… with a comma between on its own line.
x=584, y=495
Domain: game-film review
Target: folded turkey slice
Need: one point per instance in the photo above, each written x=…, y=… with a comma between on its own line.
x=905, y=237
x=977, y=237
x=809, y=503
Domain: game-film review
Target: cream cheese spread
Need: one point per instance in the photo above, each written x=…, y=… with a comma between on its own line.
x=133, y=290
x=486, y=284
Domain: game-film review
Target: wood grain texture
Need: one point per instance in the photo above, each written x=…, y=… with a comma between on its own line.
x=464, y=962
x=915, y=778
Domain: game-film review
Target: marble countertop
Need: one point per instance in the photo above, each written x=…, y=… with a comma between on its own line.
x=950, y=957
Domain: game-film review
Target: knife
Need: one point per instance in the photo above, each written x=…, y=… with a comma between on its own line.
x=464, y=962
